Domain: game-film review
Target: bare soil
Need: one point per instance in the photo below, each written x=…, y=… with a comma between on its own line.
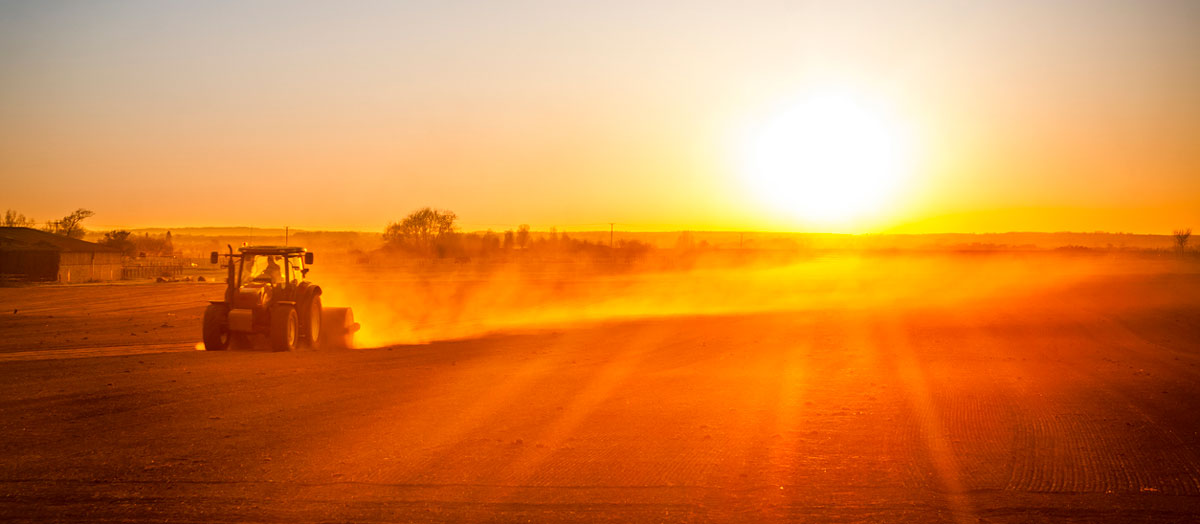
x=1070, y=405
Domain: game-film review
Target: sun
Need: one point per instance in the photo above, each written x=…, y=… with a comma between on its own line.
x=827, y=160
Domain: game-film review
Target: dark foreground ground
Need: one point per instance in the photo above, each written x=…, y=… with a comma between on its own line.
x=1075, y=407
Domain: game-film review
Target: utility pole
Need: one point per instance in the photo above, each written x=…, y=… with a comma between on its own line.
x=610, y=235
x=285, y=235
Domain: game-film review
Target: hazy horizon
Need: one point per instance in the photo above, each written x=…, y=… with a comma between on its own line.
x=94, y=230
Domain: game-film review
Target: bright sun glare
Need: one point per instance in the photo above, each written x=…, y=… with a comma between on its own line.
x=828, y=159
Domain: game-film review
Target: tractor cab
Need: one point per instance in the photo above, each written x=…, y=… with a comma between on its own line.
x=274, y=265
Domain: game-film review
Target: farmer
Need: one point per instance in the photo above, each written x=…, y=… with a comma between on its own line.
x=272, y=271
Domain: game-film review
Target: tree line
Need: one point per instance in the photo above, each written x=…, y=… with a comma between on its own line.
x=424, y=232
x=134, y=245
x=429, y=232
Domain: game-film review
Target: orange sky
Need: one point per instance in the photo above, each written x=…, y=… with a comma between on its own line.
x=1037, y=116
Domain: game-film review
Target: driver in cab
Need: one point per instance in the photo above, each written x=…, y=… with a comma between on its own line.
x=272, y=273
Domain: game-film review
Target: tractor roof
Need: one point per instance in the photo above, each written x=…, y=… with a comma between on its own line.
x=271, y=250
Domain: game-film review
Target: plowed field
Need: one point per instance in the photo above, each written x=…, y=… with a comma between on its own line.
x=1071, y=405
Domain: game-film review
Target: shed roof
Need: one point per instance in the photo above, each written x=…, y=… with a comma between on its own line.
x=27, y=239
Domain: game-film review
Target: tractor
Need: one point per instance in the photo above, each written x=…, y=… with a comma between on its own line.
x=266, y=295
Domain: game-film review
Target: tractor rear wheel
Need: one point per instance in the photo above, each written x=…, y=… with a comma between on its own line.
x=285, y=327
x=216, y=327
x=310, y=321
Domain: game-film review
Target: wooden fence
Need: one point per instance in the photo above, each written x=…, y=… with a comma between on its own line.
x=151, y=271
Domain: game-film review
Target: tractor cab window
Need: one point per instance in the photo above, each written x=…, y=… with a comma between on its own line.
x=294, y=275
x=263, y=268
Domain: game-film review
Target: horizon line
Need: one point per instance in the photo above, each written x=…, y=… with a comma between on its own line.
x=641, y=231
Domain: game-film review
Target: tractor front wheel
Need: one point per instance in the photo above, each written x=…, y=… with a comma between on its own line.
x=285, y=327
x=216, y=327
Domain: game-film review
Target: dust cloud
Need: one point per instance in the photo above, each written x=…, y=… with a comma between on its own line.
x=441, y=300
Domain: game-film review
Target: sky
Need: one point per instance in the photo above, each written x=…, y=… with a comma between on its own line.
x=1019, y=116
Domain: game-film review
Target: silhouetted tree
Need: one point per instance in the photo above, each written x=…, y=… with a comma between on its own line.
x=15, y=219
x=70, y=225
x=119, y=239
x=508, y=239
x=523, y=236
x=1181, y=239
x=421, y=230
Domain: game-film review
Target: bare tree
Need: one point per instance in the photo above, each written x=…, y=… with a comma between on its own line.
x=421, y=230
x=1181, y=239
x=70, y=225
x=15, y=219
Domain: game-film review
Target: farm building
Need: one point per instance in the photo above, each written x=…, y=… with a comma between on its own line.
x=30, y=255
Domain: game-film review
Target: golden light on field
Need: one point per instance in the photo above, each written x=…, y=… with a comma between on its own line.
x=827, y=159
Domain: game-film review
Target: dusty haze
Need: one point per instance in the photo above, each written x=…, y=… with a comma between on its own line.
x=439, y=300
